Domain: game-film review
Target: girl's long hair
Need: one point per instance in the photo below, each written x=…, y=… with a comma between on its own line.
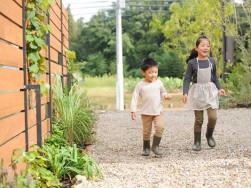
x=194, y=53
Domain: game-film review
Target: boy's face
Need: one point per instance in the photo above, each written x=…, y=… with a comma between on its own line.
x=151, y=74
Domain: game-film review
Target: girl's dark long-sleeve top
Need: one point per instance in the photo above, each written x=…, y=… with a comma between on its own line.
x=191, y=73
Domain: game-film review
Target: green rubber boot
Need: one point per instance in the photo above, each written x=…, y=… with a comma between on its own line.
x=146, y=148
x=155, y=147
x=197, y=141
x=210, y=138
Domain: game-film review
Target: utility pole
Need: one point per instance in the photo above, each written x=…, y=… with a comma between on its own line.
x=224, y=75
x=119, y=56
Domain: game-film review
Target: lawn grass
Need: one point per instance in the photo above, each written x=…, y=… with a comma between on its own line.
x=101, y=92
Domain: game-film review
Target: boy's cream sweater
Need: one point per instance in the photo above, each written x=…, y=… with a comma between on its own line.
x=150, y=94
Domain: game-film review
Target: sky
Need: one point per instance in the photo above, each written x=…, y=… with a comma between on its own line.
x=87, y=8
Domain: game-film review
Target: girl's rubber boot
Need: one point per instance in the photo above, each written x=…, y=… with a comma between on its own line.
x=210, y=138
x=155, y=147
x=146, y=148
x=197, y=141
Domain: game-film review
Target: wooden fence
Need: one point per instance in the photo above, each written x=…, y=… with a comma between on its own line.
x=25, y=119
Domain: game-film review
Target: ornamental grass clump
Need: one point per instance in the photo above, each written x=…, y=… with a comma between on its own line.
x=74, y=113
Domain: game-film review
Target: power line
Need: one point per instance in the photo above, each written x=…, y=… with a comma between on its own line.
x=166, y=11
x=86, y=13
x=172, y=1
x=111, y=6
x=146, y=5
x=72, y=3
x=92, y=7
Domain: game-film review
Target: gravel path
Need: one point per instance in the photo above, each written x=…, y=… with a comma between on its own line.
x=119, y=145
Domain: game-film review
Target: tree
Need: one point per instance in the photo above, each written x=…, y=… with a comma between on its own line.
x=191, y=20
x=139, y=40
x=239, y=79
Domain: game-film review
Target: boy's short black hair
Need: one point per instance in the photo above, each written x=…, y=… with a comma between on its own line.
x=148, y=63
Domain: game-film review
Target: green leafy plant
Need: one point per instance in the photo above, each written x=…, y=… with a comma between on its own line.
x=57, y=137
x=36, y=166
x=74, y=113
x=71, y=65
x=21, y=179
x=56, y=160
x=81, y=163
x=36, y=30
x=67, y=162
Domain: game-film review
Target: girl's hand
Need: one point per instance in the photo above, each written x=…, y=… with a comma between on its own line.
x=168, y=97
x=185, y=98
x=222, y=92
x=133, y=115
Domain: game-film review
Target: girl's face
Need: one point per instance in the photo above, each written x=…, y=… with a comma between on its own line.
x=151, y=74
x=203, y=49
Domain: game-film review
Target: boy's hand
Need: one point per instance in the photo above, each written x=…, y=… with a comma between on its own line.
x=133, y=115
x=167, y=96
x=222, y=92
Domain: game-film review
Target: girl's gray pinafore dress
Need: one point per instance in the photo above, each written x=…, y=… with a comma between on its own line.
x=203, y=94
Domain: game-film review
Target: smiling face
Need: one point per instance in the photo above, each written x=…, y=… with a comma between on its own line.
x=151, y=74
x=203, y=49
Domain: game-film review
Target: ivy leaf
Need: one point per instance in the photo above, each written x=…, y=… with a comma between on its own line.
x=45, y=88
x=35, y=23
x=39, y=41
x=49, y=28
x=30, y=5
x=33, y=45
x=34, y=56
x=28, y=31
x=41, y=17
x=38, y=76
x=30, y=15
x=34, y=68
x=71, y=54
x=29, y=38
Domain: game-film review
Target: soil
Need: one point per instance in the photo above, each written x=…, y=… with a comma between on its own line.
x=118, y=148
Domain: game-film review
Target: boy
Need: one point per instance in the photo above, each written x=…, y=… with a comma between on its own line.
x=151, y=90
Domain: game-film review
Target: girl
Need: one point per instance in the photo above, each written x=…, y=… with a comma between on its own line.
x=203, y=95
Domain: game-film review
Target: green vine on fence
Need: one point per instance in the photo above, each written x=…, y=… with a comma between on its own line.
x=71, y=65
x=36, y=30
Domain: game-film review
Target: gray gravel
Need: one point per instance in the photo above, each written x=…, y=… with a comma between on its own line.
x=118, y=150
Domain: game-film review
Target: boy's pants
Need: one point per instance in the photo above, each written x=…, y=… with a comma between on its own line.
x=212, y=117
x=147, y=121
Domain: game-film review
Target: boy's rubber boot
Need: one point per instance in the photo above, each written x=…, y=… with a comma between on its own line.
x=210, y=138
x=146, y=148
x=197, y=141
x=155, y=147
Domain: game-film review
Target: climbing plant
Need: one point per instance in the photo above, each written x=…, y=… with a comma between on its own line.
x=36, y=30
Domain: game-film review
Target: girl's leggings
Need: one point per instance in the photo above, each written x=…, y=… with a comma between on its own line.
x=212, y=118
